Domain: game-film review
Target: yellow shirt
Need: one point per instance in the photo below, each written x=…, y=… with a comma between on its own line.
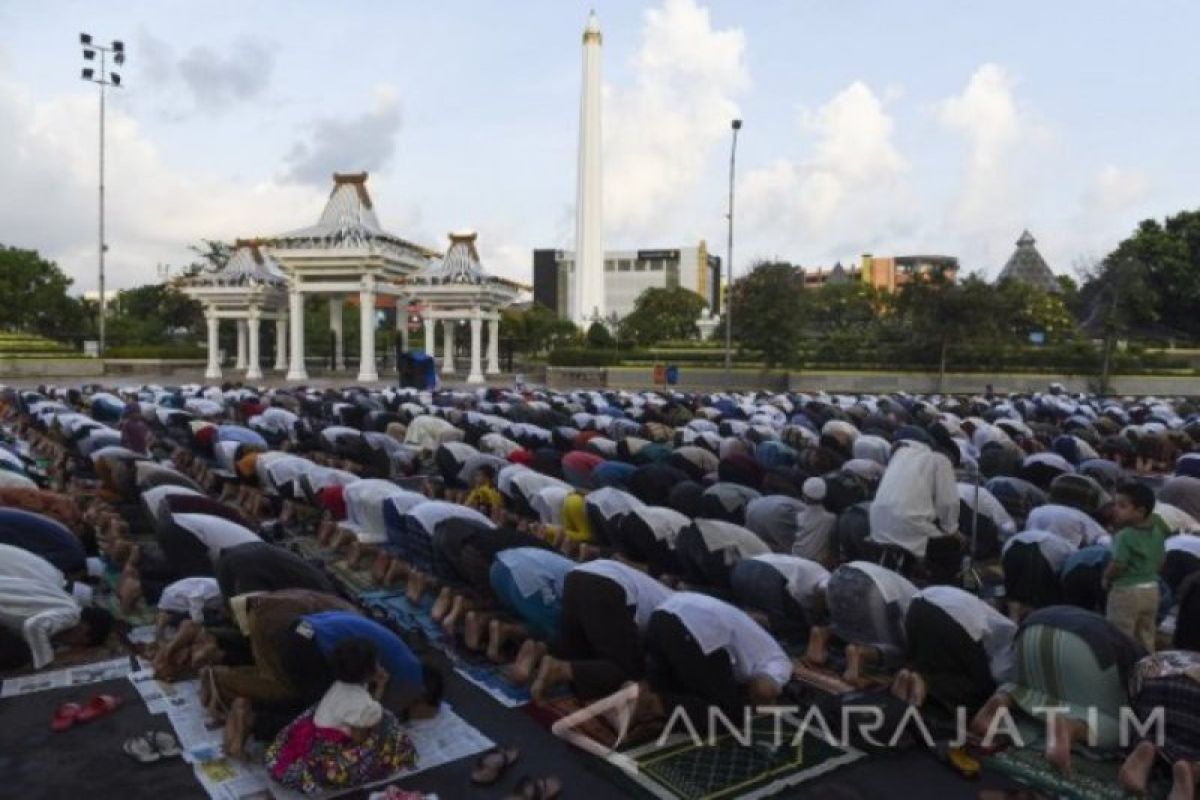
x=575, y=519
x=485, y=497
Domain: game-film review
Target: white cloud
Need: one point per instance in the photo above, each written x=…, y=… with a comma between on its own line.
x=850, y=193
x=366, y=142
x=660, y=133
x=213, y=80
x=154, y=208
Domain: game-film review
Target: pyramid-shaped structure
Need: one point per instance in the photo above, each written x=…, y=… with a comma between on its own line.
x=1026, y=265
x=459, y=265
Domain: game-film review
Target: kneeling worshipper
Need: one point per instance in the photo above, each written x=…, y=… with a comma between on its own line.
x=708, y=548
x=959, y=650
x=1032, y=561
x=703, y=652
x=1167, y=682
x=647, y=536
x=1077, y=527
x=348, y=739
x=37, y=616
x=417, y=554
x=1082, y=578
x=264, y=567
x=1181, y=558
x=606, y=607
x=867, y=604
x=787, y=591
x=45, y=537
x=1074, y=660
x=815, y=525
x=774, y=518
x=605, y=509
x=916, y=506
x=528, y=581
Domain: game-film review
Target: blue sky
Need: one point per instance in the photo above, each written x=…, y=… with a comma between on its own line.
x=869, y=126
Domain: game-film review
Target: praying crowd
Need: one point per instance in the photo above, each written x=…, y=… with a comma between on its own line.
x=997, y=554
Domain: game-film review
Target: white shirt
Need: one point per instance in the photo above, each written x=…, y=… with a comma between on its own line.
x=433, y=512
x=982, y=623
x=814, y=533
x=893, y=587
x=345, y=706
x=1070, y=523
x=917, y=500
x=805, y=578
x=1185, y=543
x=17, y=562
x=717, y=625
x=610, y=502
x=37, y=611
x=529, y=482
x=190, y=596
x=736, y=541
x=1176, y=518
x=154, y=499
x=641, y=590
x=664, y=523
x=548, y=503
x=216, y=533
x=1054, y=548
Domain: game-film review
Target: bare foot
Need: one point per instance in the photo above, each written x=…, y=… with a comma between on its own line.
x=416, y=586
x=395, y=572
x=1183, y=786
x=1058, y=747
x=551, y=673
x=205, y=651
x=1135, y=772
x=900, y=687
x=129, y=590
x=441, y=606
x=458, y=608
x=474, y=625
x=527, y=660
x=917, y=690
x=496, y=637
x=818, y=646
x=326, y=531
x=854, y=664
x=982, y=721
x=380, y=566
x=237, y=728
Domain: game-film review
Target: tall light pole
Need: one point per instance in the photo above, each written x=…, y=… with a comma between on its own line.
x=737, y=126
x=102, y=78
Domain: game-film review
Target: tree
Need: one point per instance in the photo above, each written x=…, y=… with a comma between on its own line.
x=211, y=256
x=35, y=296
x=662, y=314
x=154, y=314
x=1121, y=299
x=842, y=307
x=767, y=311
x=598, y=337
x=535, y=329
x=1021, y=309
x=940, y=312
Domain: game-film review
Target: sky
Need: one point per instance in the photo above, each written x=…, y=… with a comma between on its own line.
x=928, y=126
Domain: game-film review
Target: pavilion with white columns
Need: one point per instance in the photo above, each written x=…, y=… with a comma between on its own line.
x=249, y=289
x=457, y=289
x=346, y=252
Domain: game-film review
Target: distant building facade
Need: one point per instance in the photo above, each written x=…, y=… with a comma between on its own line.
x=628, y=273
x=1026, y=265
x=837, y=275
x=890, y=273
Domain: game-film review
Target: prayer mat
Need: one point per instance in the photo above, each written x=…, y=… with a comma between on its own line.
x=354, y=583
x=683, y=769
x=1089, y=780
x=396, y=608
x=598, y=728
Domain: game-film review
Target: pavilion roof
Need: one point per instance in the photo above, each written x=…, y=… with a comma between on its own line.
x=460, y=265
x=249, y=265
x=348, y=221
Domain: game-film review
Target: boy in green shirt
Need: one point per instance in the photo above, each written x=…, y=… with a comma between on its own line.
x=1132, y=575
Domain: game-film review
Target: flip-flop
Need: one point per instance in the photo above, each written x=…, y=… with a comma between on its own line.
x=528, y=788
x=493, y=764
x=140, y=749
x=164, y=743
x=99, y=706
x=65, y=716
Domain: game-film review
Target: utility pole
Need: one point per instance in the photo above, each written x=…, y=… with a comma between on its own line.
x=737, y=126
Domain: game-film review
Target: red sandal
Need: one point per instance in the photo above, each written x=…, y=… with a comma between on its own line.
x=99, y=706
x=65, y=716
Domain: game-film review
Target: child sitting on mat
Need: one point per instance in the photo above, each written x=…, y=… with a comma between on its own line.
x=348, y=739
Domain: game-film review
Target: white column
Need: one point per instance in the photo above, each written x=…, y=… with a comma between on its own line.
x=335, y=325
x=296, y=372
x=281, y=334
x=587, y=301
x=213, y=372
x=402, y=322
x=430, y=336
x=476, y=373
x=493, y=367
x=241, y=345
x=448, y=346
x=366, y=325
x=253, y=368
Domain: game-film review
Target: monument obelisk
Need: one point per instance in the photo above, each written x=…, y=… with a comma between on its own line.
x=587, y=296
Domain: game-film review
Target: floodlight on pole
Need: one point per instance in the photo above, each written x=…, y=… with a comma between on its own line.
x=102, y=78
x=735, y=125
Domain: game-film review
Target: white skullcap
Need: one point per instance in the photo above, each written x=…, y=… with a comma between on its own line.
x=814, y=489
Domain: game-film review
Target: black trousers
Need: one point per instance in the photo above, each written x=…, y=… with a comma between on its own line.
x=1081, y=587
x=635, y=539
x=598, y=635
x=698, y=564
x=955, y=666
x=1028, y=577
x=686, y=677
x=1177, y=566
x=758, y=585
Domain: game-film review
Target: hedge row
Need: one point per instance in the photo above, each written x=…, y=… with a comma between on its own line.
x=168, y=351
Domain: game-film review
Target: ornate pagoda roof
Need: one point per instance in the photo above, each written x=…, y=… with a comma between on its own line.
x=249, y=265
x=460, y=265
x=1026, y=265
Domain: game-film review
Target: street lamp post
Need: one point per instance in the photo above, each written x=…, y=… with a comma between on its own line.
x=737, y=126
x=102, y=78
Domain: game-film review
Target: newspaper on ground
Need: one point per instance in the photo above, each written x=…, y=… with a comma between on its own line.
x=80, y=675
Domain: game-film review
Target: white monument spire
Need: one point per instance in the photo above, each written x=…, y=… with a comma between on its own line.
x=587, y=297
